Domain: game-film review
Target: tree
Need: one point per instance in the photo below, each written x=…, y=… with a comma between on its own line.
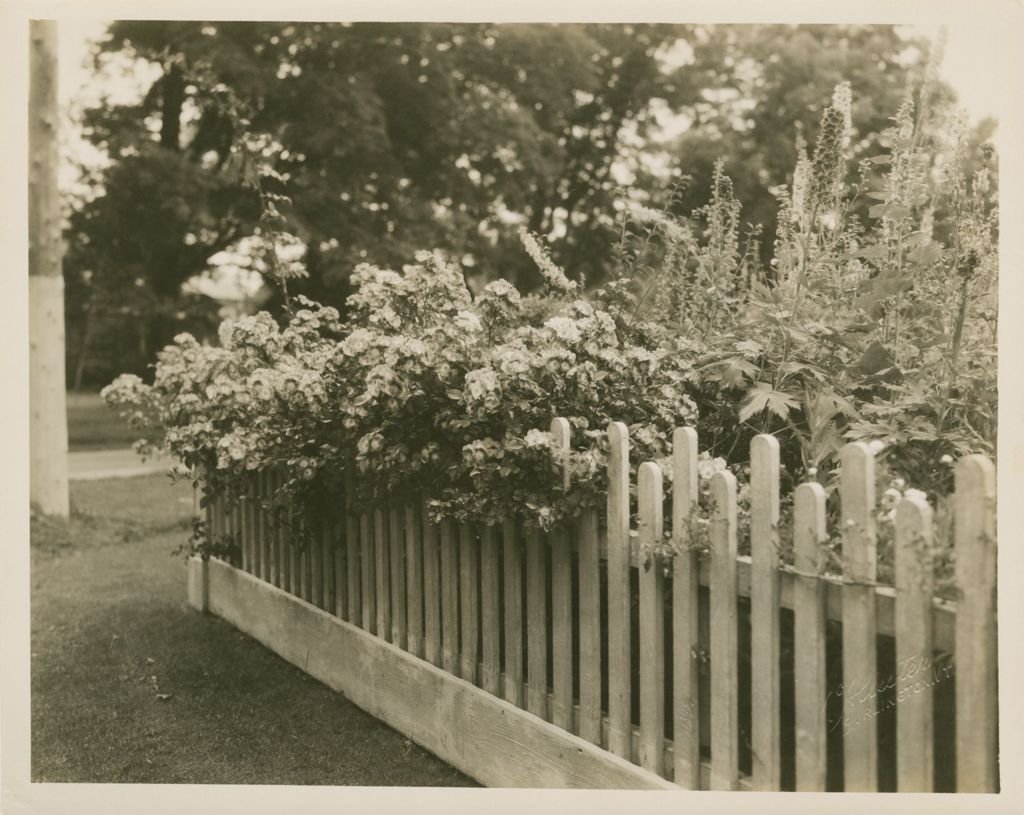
x=390, y=138
x=48, y=429
x=395, y=137
x=762, y=90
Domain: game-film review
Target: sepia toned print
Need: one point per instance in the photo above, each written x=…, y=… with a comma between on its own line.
x=571, y=406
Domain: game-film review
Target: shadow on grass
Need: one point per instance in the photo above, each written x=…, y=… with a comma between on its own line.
x=129, y=684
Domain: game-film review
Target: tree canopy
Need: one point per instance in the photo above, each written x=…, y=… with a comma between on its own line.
x=394, y=137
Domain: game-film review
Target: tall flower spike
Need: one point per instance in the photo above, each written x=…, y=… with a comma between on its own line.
x=842, y=101
x=554, y=276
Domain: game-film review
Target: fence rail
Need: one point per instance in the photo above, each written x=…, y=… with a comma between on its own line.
x=725, y=671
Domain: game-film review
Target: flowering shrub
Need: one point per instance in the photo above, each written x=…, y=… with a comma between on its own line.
x=876, y=320
x=424, y=389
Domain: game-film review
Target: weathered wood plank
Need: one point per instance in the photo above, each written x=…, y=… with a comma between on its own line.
x=449, y=597
x=414, y=578
x=764, y=613
x=396, y=539
x=619, y=640
x=469, y=561
x=652, y=621
x=536, y=625
x=498, y=744
x=976, y=647
x=382, y=567
x=513, y=599
x=590, y=628
x=561, y=594
x=809, y=536
x=857, y=498
x=318, y=531
x=914, y=644
x=490, y=598
x=432, y=585
x=265, y=530
x=337, y=579
x=369, y=583
x=685, y=612
x=274, y=532
x=352, y=553
x=724, y=620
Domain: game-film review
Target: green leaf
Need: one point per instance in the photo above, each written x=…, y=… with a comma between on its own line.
x=761, y=397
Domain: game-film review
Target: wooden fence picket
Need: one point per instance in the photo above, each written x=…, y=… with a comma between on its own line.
x=414, y=578
x=977, y=768
x=381, y=567
x=490, y=612
x=513, y=598
x=764, y=613
x=475, y=602
x=396, y=539
x=590, y=627
x=263, y=526
x=335, y=570
x=561, y=595
x=369, y=583
x=860, y=680
x=914, y=646
x=810, y=691
x=449, y=597
x=724, y=622
x=432, y=589
x=284, y=548
x=352, y=553
x=620, y=729
x=536, y=625
x=274, y=531
x=652, y=619
x=685, y=612
x=469, y=600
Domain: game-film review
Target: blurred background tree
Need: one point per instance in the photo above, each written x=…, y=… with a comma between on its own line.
x=391, y=138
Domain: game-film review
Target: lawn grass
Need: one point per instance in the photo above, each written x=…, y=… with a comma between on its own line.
x=94, y=426
x=130, y=684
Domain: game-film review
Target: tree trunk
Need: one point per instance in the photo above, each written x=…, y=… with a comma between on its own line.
x=48, y=428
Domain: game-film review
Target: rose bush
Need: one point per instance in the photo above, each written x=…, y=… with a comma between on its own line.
x=422, y=390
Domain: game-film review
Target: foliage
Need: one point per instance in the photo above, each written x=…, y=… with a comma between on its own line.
x=878, y=328
x=390, y=136
x=393, y=137
x=425, y=389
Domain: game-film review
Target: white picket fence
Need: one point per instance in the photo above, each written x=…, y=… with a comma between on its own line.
x=572, y=628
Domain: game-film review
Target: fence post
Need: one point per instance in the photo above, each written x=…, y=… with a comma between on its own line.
x=513, y=562
x=449, y=597
x=976, y=648
x=432, y=587
x=352, y=553
x=396, y=538
x=652, y=620
x=620, y=729
x=914, y=652
x=764, y=612
x=490, y=596
x=860, y=680
x=590, y=627
x=561, y=593
x=809, y=536
x=414, y=578
x=468, y=566
x=536, y=625
x=685, y=611
x=724, y=621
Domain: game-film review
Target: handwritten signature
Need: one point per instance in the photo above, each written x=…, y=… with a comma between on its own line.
x=913, y=676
